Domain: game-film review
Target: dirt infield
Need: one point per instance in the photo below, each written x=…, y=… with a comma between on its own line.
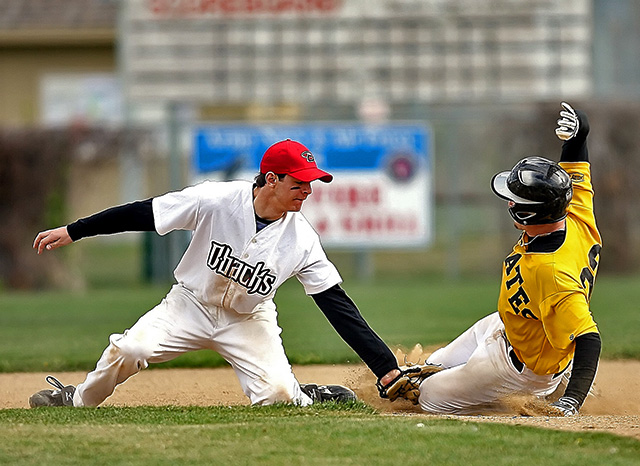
x=616, y=409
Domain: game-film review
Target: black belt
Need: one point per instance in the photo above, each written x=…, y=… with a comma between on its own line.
x=519, y=365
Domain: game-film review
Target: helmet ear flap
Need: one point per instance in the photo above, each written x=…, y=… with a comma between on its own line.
x=522, y=216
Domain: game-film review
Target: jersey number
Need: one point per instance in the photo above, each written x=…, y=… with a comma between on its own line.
x=587, y=276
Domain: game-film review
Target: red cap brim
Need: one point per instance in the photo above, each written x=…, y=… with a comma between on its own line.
x=312, y=174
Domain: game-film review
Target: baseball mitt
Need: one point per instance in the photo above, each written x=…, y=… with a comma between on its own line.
x=407, y=384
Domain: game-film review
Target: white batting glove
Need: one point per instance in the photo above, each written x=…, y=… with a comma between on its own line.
x=568, y=124
x=566, y=406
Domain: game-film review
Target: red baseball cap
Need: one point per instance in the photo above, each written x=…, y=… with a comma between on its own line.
x=292, y=158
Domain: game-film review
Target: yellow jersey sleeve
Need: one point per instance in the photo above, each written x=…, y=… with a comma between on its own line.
x=581, y=204
x=564, y=317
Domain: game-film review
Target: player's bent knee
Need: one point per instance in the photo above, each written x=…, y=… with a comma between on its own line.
x=435, y=400
x=130, y=351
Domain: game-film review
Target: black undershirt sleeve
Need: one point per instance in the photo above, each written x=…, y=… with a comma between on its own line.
x=575, y=149
x=585, y=365
x=345, y=317
x=136, y=216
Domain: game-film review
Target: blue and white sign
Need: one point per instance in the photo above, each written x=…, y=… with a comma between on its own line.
x=381, y=194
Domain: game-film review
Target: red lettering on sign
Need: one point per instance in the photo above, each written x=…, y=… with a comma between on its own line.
x=384, y=224
x=351, y=196
x=157, y=6
x=321, y=226
x=226, y=7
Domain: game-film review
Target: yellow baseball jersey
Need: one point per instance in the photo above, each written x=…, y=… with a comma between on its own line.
x=544, y=296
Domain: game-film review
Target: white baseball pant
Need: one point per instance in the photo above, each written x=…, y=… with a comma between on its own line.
x=251, y=343
x=479, y=373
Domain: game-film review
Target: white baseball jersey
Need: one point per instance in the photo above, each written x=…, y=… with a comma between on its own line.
x=228, y=264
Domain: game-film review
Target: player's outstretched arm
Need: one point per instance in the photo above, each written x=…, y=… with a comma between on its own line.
x=136, y=216
x=52, y=239
x=344, y=316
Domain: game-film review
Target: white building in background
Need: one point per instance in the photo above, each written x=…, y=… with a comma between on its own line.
x=306, y=51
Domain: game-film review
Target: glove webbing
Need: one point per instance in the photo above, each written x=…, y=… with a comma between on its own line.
x=407, y=384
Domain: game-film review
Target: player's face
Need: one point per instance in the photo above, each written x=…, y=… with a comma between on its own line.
x=290, y=193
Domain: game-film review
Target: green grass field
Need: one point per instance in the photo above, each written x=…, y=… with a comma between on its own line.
x=68, y=331
x=56, y=331
x=285, y=435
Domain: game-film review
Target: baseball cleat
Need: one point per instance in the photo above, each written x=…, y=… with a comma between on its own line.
x=323, y=393
x=62, y=396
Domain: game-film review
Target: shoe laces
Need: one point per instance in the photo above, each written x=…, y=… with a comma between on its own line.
x=55, y=382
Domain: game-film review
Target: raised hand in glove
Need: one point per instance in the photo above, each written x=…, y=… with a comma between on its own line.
x=407, y=384
x=566, y=406
x=568, y=124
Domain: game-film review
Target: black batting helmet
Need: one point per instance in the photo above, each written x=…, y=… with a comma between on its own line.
x=539, y=188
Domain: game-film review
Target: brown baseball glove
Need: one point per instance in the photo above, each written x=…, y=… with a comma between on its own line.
x=407, y=384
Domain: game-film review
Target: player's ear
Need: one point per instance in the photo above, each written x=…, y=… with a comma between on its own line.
x=271, y=178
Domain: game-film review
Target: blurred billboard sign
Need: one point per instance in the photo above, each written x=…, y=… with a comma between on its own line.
x=89, y=98
x=382, y=192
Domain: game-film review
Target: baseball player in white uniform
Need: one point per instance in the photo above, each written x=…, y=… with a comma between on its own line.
x=247, y=239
